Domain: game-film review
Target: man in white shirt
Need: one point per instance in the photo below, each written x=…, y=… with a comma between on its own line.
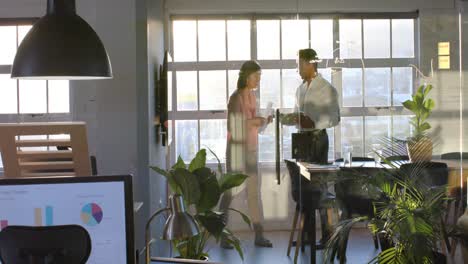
x=316, y=109
x=317, y=106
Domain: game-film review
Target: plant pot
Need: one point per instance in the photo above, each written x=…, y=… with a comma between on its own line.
x=419, y=149
x=204, y=258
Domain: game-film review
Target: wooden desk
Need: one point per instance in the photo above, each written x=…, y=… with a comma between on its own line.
x=458, y=173
x=456, y=169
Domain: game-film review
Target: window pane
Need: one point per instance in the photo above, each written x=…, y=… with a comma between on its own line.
x=351, y=134
x=377, y=87
x=268, y=41
x=352, y=87
x=321, y=39
x=331, y=143
x=270, y=88
x=294, y=36
x=350, y=38
x=33, y=137
x=59, y=96
x=185, y=40
x=376, y=38
x=238, y=39
x=212, y=90
x=326, y=74
x=187, y=90
x=212, y=40
x=22, y=31
x=401, y=127
x=7, y=44
x=213, y=136
x=402, y=85
x=266, y=144
x=290, y=81
x=32, y=96
x=402, y=38
x=8, y=95
x=377, y=128
x=187, y=139
x=169, y=91
x=232, y=81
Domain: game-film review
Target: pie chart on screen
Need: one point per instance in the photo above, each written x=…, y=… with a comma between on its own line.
x=91, y=214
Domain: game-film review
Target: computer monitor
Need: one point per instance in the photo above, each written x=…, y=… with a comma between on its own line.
x=103, y=205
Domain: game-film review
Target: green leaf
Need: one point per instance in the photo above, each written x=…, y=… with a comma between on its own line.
x=188, y=184
x=425, y=126
x=429, y=104
x=410, y=105
x=220, y=168
x=231, y=180
x=229, y=237
x=210, y=191
x=213, y=222
x=180, y=164
x=418, y=99
x=244, y=216
x=199, y=161
x=424, y=115
x=427, y=89
x=160, y=171
x=172, y=184
x=420, y=90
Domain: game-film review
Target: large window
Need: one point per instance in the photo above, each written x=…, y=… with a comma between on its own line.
x=27, y=100
x=367, y=59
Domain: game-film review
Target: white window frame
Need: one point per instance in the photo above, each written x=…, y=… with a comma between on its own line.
x=362, y=111
x=30, y=117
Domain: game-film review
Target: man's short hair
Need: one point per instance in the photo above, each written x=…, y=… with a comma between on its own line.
x=308, y=55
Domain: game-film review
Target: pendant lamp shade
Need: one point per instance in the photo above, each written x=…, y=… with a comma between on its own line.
x=61, y=45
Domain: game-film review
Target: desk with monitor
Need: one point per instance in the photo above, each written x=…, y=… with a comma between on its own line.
x=103, y=205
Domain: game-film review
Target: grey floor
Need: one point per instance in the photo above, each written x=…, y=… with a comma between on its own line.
x=360, y=250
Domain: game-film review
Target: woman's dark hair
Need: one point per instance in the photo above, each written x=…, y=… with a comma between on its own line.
x=247, y=68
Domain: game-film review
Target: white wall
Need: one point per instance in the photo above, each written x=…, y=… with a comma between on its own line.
x=110, y=107
x=278, y=6
x=157, y=157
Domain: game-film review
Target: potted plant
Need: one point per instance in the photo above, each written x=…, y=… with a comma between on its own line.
x=201, y=189
x=408, y=220
x=420, y=145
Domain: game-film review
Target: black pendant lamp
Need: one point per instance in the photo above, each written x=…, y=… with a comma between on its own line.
x=61, y=45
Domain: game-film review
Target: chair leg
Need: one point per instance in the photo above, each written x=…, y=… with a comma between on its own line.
x=330, y=217
x=449, y=209
x=299, y=236
x=457, y=211
x=291, y=236
x=304, y=233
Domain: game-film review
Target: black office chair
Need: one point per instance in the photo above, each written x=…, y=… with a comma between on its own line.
x=69, y=244
x=353, y=197
x=454, y=156
x=456, y=193
x=432, y=174
x=397, y=158
x=308, y=198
